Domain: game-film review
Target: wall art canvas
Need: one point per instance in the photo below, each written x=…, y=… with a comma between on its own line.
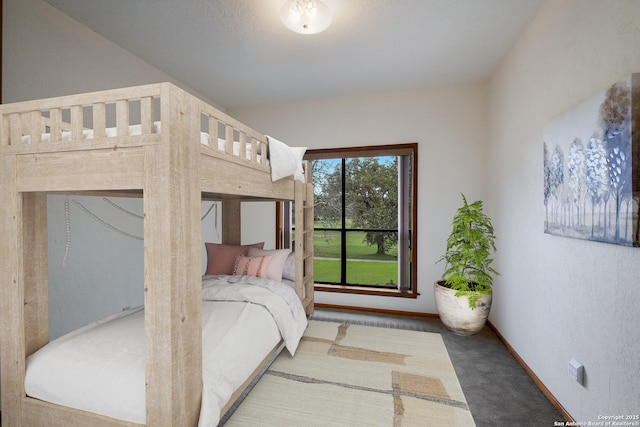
x=592, y=168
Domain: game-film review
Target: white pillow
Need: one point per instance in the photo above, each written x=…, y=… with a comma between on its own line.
x=284, y=160
x=278, y=258
x=289, y=270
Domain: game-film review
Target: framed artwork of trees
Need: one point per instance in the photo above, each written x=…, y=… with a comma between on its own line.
x=592, y=168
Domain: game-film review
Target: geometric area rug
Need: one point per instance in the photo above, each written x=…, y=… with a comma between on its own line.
x=354, y=375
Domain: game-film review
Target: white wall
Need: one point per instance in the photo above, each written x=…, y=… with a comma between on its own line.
x=46, y=53
x=559, y=298
x=96, y=263
x=448, y=123
x=96, y=267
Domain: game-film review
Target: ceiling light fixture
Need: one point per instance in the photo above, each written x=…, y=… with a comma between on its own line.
x=305, y=16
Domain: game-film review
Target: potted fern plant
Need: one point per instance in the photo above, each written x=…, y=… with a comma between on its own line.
x=463, y=295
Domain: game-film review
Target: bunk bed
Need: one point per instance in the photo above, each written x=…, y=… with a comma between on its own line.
x=162, y=144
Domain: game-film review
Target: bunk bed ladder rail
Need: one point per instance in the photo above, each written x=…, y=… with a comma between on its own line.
x=304, y=243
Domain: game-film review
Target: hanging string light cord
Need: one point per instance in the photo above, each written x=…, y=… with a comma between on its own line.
x=67, y=221
x=214, y=204
x=121, y=209
x=105, y=223
x=215, y=217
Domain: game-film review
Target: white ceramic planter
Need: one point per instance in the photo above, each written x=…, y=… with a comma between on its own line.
x=456, y=314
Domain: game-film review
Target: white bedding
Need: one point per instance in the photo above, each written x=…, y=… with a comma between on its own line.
x=101, y=369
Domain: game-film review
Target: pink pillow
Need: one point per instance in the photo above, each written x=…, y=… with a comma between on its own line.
x=252, y=266
x=277, y=263
x=222, y=258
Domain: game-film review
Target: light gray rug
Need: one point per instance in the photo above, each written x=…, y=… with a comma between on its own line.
x=346, y=374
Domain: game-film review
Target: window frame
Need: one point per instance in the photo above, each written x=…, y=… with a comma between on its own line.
x=412, y=213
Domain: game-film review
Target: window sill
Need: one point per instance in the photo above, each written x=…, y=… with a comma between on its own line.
x=365, y=291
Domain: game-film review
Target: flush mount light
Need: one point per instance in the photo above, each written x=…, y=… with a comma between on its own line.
x=305, y=16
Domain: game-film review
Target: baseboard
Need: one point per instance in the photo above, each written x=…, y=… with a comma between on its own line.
x=545, y=391
x=376, y=310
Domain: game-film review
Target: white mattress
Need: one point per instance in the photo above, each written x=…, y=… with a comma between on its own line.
x=101, y=368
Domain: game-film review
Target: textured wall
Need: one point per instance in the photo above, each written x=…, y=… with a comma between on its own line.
x=560, y=298
x=96, y=268
x=46, y=53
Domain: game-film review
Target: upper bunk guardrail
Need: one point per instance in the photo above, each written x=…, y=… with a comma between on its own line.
x=62, y=123
x=223, y=133
x=118, y=118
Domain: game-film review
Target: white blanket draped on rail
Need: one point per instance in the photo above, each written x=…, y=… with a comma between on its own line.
x=281, y=301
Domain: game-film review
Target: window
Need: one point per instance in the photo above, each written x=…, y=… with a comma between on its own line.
x=364, y=214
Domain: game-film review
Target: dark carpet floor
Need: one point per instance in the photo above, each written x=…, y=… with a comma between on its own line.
x=497, y=389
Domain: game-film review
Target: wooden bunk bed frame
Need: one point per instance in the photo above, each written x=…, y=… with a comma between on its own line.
x=173, y=171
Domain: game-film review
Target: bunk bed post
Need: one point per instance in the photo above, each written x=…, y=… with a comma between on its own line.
x=24, y=326
x=172, y=258
x=298, y=214
x=12, y=338
x=231, y=222
x=36, y=271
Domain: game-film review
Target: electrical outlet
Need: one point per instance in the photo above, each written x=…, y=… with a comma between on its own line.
x=576, y=371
